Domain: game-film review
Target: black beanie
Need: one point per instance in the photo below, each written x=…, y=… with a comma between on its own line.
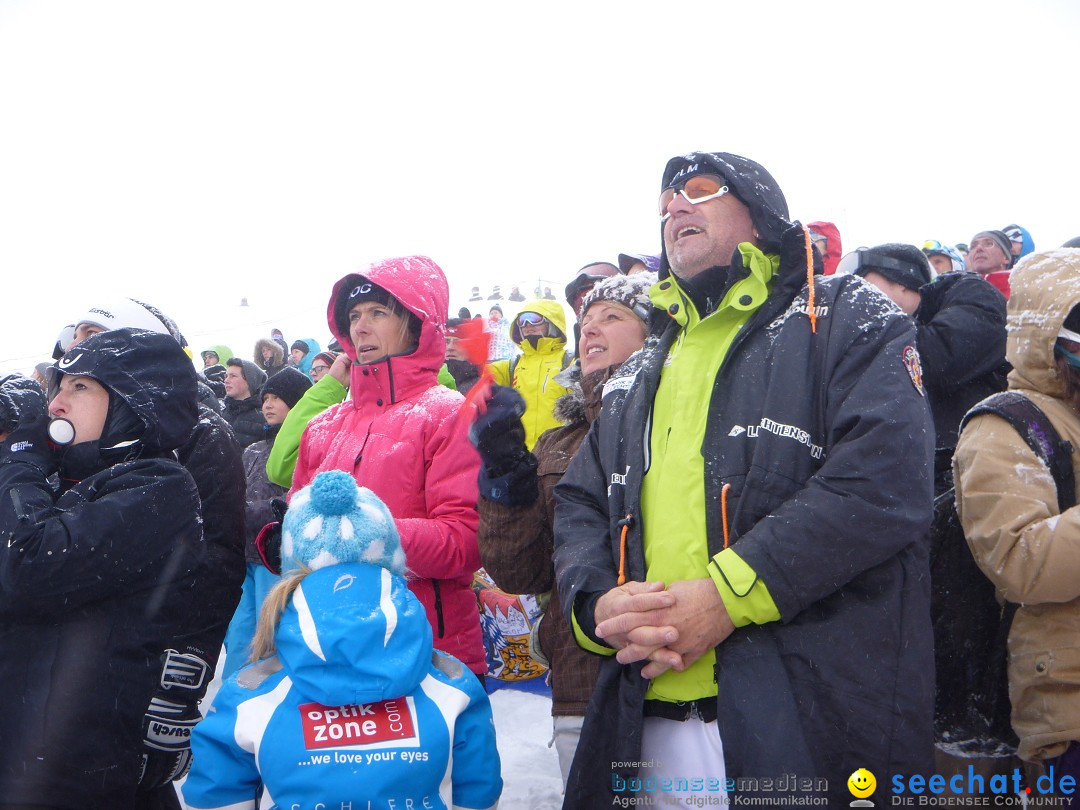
x=302, y=346
x=358, y=290
x=904, y=264
x=288, y=385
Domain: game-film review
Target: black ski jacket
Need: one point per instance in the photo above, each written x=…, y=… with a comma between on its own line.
x=245, y=418
x=961, y=325
x=96, y=581
x=826, y=440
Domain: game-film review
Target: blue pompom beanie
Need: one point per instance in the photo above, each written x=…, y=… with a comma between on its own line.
x=332, y=521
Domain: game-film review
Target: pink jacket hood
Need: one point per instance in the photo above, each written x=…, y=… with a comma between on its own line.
x=419, y=284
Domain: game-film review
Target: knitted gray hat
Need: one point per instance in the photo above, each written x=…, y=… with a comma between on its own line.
x=1003, y=242
x=630, y=291
x=254, y=376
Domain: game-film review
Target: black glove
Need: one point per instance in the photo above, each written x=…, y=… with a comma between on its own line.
x=498, y=433
x=20, y=399
x=508, y=469
x=268, y=543
x=215, y=373
x=24, y=416
x=170, y=717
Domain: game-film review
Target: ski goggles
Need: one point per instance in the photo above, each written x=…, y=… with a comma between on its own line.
x=863, y=261
x=934, y=246
x=1070, y=358
x=530, y=319
x=697, y=189
x=1069, y=334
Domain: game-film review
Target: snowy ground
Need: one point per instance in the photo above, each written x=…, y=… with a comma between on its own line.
x=530, y=769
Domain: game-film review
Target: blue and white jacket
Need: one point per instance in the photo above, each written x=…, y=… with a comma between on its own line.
x=356, y=709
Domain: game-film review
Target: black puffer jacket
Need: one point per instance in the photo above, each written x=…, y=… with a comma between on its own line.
x=95, y=581
x=826, y=442
x=246, y=419
x=961, y=325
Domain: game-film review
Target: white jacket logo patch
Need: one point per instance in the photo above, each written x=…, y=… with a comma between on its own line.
x=782, y=430
x=67, y=360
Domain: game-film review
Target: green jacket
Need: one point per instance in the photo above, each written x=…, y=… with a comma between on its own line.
x=676, y=471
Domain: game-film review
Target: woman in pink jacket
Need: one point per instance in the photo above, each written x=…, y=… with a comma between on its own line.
x=398, y=434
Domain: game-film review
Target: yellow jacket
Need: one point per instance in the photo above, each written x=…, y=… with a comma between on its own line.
x=535, y=369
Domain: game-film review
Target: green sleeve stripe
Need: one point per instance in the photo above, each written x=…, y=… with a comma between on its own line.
x=745, y=596
x=587, y=643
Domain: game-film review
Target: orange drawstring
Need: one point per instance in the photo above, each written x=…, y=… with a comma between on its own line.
x=622, y=549
x=723, y=511
x=809, y=281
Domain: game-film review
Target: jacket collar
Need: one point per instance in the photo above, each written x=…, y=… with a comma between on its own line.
x=747, y=287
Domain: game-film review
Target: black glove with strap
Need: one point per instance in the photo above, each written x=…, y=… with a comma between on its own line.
x=170, y=718
x=507, y=469
x=268, y=543
x=24, y=417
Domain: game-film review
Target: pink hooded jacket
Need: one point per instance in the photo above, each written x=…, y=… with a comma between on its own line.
x=398, y=434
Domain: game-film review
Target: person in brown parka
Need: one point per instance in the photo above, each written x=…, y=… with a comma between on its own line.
x=517, y=502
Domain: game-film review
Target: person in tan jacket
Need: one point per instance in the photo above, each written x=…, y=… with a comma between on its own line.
x=1007, y=502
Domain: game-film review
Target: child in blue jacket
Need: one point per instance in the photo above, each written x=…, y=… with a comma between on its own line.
x=347, y=702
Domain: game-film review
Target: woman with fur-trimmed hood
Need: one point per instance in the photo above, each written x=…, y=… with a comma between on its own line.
x=269, y=356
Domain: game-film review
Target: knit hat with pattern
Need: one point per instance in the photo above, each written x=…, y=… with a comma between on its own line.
x=630, y=291
x=333, y=521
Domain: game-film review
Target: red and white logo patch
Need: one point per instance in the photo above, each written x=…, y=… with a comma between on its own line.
x=358, y=724
x=913, y=365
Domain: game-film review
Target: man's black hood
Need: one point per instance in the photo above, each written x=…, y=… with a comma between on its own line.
x=749, y=182
x=146, y=371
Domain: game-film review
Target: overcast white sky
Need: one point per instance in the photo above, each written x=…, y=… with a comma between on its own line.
x=194, y=153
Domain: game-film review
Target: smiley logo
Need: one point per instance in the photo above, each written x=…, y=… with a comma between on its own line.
x=861, y=783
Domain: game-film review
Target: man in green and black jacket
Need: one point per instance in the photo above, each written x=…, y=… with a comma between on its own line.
x=761, y=478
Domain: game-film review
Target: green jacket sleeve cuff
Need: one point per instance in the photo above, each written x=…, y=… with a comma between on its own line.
x=746, y=597
x=587, y=643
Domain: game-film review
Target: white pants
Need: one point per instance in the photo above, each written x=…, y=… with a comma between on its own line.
x=566, y=732
x=683, y=752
